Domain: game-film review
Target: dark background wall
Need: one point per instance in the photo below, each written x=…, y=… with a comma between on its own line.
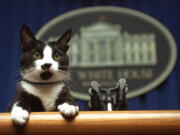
x=35, y=13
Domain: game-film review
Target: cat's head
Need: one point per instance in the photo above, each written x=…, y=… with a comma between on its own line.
x=43, y=61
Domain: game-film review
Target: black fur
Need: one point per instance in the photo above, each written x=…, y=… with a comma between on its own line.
x=26, y=101
x=33, y=104
x=29, y=45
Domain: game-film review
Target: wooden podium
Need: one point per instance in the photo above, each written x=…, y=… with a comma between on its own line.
x=96, y=123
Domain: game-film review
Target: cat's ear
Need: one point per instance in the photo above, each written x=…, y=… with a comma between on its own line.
x=64, y=40
x=26, y=37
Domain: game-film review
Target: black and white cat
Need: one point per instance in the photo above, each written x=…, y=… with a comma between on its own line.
x=43, y=68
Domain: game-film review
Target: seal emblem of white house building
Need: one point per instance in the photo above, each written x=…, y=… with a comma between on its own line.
x=109, y=43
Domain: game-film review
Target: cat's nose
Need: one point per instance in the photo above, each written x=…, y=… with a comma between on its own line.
x=46, y=66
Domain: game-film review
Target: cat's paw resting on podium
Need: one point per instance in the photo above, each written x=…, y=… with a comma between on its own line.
x=19, y=116
x=68, y=110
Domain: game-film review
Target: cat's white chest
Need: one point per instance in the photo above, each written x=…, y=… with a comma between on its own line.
x=46, y=93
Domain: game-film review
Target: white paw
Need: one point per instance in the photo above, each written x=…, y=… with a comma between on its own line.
x=68, y=110
x=19, y=116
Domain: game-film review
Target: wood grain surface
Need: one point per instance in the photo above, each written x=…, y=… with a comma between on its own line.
x=96, y=123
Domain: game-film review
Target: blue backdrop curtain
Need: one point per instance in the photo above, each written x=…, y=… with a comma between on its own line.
x=35, y=13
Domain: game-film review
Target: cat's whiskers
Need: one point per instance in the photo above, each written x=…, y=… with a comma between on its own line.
x=30, y=71
x=16, y=74
x=59, y=76
x=70, y=68
x=67, y=80
x=63, y=79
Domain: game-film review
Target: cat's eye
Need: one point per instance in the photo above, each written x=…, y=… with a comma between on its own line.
x=56, y=56
x=37, y=55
